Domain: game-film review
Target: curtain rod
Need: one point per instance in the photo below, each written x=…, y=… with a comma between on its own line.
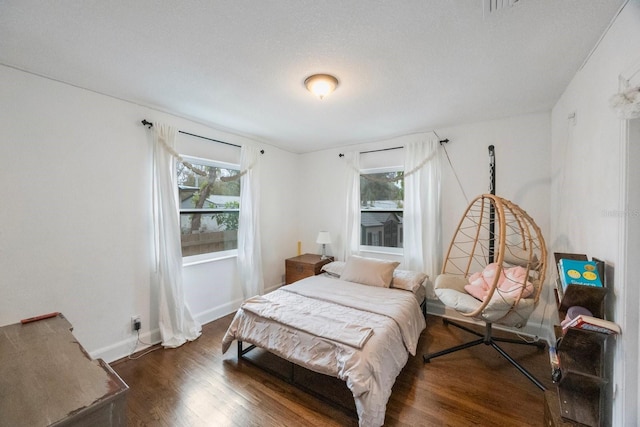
x=382, y=149
x=150, y=125
x=441, y=141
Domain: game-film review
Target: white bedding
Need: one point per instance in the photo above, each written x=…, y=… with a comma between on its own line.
x=390, y=320
x=337, y=323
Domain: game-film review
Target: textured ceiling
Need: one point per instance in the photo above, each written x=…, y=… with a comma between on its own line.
x=238, y=65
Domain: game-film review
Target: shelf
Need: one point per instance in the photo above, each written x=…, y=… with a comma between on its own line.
x=580, y=398
x=582, y=352
x=589, y=297
x=552, y=415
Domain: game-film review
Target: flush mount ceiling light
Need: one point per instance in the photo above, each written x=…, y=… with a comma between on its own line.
x=321, y=85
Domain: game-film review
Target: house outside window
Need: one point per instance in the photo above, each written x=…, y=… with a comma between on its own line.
x=381, y=208
x=209, y=206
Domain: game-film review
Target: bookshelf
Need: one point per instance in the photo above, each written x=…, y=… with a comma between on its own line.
x=580, y=391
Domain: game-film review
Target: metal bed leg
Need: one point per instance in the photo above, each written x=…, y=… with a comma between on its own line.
x=242, y=352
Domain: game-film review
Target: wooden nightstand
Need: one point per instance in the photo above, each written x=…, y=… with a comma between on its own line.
x=302, y=266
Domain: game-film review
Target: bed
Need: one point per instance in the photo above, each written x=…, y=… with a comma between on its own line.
x=358, y=321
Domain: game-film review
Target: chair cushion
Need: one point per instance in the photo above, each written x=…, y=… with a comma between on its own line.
x=516, y=256
x=450, y=290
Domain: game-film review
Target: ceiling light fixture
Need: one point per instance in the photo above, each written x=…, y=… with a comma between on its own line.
x=321, y=85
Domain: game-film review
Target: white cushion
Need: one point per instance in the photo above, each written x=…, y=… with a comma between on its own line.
x=450, y=289
x=516, y=256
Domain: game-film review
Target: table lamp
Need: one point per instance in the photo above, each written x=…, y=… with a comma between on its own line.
x=324, y=238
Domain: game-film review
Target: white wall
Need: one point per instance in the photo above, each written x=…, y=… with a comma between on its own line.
x=522, y=146
x=76, y=230
x=587, y=192
x=75, y=227
x=522, y=150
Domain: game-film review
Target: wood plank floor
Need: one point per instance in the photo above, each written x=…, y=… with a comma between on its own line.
x=195, y=385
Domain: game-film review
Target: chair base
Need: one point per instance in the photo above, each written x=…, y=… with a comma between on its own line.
x=488, y=339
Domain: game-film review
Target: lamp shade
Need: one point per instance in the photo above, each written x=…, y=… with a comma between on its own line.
x=321, y=85
x=324, y=238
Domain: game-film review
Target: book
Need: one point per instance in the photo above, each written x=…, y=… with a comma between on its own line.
x=590, y=323
x=41, y=317
x=560, y=291
x=578, y=272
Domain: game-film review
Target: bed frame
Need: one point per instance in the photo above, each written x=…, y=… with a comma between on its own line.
x=290, y=376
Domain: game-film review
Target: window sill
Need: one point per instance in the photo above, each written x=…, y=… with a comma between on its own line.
x=382, y=250
x=207, y=258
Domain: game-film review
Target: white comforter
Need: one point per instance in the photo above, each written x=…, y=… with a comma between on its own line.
x=360, y=334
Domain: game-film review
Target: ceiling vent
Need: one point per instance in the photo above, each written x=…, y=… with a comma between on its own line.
x=491, y=6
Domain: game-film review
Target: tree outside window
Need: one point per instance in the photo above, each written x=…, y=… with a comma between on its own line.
x=209, y=206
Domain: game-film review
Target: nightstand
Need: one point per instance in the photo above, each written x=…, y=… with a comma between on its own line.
x=302, y=266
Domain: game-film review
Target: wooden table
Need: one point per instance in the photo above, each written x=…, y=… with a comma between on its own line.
x=47, y=378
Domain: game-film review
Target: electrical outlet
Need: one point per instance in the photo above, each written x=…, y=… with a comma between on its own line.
x=136, y=323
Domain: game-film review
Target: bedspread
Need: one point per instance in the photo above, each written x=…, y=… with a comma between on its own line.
x=341, y=324
x=393, y=315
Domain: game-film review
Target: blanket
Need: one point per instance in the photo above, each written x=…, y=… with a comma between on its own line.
x=393, y=315
x=315, y=317
x=399, y=306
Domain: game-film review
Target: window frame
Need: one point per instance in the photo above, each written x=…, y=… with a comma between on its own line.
x=380, y=249
x=209, y=256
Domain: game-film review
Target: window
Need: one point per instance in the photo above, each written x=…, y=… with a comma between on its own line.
x=209, y=206
x=381, y=198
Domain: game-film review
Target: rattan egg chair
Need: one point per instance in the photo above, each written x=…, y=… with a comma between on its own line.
x=493, y=272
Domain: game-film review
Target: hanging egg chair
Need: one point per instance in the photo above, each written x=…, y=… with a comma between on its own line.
x=493, y=271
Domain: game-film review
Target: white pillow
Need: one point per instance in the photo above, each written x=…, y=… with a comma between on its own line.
x=408, y=280
x=369, y=271
x=334, y=268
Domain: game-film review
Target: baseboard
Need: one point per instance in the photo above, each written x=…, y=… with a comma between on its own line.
x=124, y=348
x=216, y=313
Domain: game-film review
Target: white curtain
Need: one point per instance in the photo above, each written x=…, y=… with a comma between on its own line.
x=249, y=253
x=352, y=222
x=421, y=220
x=177, y=325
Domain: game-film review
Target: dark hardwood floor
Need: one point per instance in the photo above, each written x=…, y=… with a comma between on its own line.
x=195, y=385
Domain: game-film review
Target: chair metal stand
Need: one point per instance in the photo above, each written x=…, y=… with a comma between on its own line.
x=488, y=339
